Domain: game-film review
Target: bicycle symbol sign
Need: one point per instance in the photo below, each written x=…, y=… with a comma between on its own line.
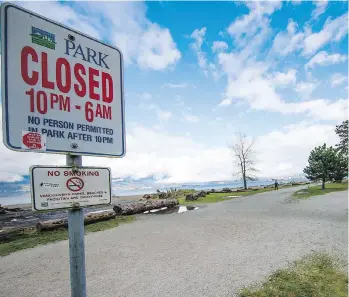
x=75, y=184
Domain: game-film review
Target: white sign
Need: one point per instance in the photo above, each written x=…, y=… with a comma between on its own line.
x=61, y=84
x=61, y=187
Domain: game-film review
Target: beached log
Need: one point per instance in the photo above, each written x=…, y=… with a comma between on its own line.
x=51, y=225
x=91, y=217
x=140, y=207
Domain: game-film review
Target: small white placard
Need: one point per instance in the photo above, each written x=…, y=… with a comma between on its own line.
x=62, y=187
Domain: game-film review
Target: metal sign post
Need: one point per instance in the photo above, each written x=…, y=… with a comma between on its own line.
x=77, y=252
x=76, y=242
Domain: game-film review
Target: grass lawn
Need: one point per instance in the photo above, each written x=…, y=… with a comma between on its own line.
x=30, y=239
x=217, y=197
x=314, y=276
x=316, y=190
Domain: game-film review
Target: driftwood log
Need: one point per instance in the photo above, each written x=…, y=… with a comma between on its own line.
x=63, y=223
x=140, y=207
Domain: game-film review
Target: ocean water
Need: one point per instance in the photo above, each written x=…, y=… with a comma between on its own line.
x=20, y=193
x=143, y=189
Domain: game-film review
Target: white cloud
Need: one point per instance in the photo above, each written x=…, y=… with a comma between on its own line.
x=327, y=110
x=305, y=89
x=320, y=8
x=338, y=79
x=289, y=41
x=247, y=26
x=285, y=78
x=124, y=24
x=198, y=37
x=252, y=85
x=333, y=30
x=308, y=42
x=256, y=83
x=280, y=153
x=285, y=152
x=179, y=159
x=191, y=118
x=157, y=50
x=171, y=158
x=324, y=59
x=219, y=46
x=249, y=33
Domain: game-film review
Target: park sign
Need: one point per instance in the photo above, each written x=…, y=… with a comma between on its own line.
x=62, y=91
x=63, y=187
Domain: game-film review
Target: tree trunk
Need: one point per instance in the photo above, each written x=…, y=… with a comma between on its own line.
x=244, y=174
x=244, y=180
x=140, y=207
x=91, y=217
x=323, y=184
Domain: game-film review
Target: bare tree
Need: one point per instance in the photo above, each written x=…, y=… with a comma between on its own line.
x=244, y=157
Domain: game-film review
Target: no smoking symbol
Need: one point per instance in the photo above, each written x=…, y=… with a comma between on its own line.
x=75, y=184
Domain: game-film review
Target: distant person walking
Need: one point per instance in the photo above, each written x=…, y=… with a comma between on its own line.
x=276, y=184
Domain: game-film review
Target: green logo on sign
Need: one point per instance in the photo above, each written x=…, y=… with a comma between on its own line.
x=43, y=38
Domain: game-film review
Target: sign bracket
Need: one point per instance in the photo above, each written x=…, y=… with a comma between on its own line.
x=74, y=161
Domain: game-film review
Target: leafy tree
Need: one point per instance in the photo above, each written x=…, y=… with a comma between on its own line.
x=322, y=164
x=244, y=157
x=341, y=167
x=342, y=132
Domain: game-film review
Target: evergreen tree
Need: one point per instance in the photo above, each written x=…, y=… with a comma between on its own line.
x=342, y=132
x=322, y=164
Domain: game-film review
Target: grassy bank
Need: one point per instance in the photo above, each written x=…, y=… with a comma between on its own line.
x=31, y=238
x=316, y=190
x=217, y=197
x=314, y=276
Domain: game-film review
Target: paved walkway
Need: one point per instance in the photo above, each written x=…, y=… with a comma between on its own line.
x=212, y=251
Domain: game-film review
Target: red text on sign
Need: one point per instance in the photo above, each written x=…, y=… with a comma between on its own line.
x=87, y=80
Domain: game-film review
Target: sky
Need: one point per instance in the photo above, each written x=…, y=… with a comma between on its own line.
x=198, y=73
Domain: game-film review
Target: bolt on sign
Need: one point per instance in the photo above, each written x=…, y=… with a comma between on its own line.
x=61, y=89
x=63, y=187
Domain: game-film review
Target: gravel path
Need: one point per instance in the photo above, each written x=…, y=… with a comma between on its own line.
x=212, y=251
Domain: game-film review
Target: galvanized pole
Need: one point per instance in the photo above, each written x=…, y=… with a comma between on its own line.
x=76, y=243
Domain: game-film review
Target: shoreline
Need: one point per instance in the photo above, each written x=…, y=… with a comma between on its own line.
x=23, y=199
x=135, y=197
x=22, y=216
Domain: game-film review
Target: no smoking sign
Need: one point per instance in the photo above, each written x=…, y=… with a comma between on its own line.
x=75, y=184
x=87, y=186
